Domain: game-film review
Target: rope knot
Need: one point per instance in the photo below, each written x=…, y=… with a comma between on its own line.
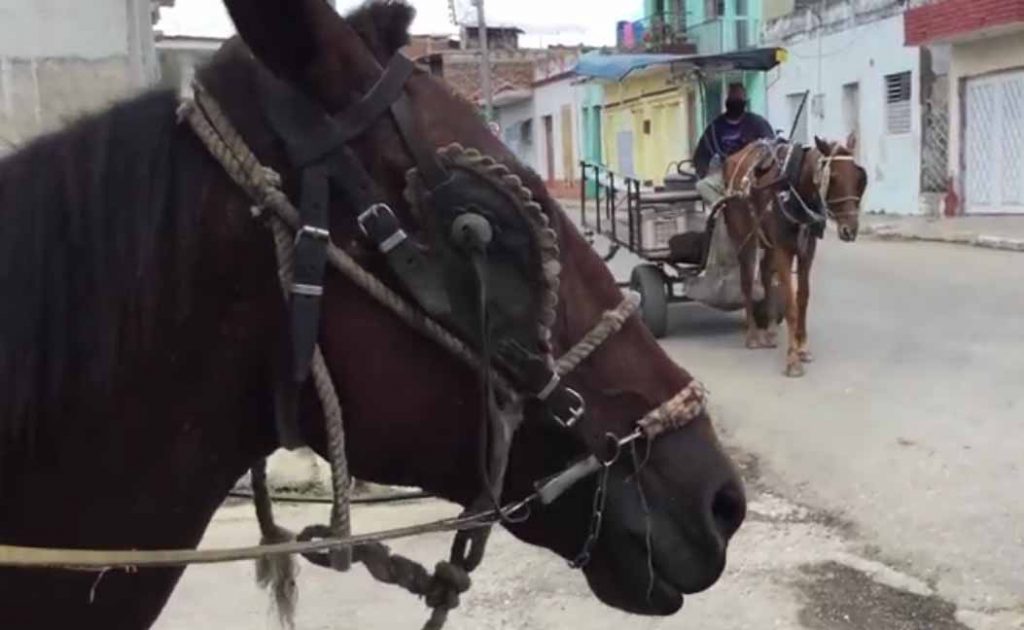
x=447, y=584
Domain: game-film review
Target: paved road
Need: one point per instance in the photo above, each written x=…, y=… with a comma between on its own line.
x=886, y=485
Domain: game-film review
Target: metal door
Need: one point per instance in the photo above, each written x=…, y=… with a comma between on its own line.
x=993, y=154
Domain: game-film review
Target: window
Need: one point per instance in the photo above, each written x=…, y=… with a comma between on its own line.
x=851, y=110
x=897, y=103
x=526, y=131
x=798, y=116
x=818, y=106
x=713, y=9
x=647, y=127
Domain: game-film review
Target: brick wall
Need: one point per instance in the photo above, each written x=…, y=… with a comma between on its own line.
x=423, y=45
x=948, y=19
x=463, y=73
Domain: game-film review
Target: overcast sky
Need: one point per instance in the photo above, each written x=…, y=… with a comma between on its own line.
x=545, y=21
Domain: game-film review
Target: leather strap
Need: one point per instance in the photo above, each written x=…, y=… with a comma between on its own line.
x=419, y=277
x=433, y=173
x=532, y=373
x=310, y=265
x=309, y=133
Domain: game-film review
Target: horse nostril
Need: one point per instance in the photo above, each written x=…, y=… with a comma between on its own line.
x=729, y=508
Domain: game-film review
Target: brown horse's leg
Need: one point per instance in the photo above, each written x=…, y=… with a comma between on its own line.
x=803, y=297
x=771, y=332
x=784, y=267
x=748, y=261
x=740, y=224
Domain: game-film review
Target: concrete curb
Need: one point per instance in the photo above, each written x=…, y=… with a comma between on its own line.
x=985, y=241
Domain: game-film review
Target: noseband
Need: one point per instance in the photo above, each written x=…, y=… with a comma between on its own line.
x=823, y=178
x=317, y=147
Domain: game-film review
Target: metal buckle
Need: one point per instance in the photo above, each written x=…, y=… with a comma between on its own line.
x=549, y=388
x=309, y=290
x=575, y=412
x=382, y=211
x=314, y=232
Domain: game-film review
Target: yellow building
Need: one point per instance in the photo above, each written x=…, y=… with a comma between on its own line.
x=652, y=117
x=648, y=122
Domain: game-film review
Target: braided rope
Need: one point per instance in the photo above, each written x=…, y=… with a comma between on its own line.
x=677, y=412
x=228, y=147
x=441, y=590
x=611, y=322
x=341, y=481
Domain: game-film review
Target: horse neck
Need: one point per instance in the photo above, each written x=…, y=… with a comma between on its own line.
x=141, y=451
x=808, y=187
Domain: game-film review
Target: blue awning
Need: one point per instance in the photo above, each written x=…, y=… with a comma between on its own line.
x=600, y=65
x=615, y=67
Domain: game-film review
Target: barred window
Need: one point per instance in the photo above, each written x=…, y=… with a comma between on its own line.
x=897, y=103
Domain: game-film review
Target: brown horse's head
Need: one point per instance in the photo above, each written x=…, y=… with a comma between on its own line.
x=844, y=189
x=411, y=411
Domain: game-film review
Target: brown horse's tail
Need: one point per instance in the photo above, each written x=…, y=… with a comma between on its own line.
x=277, y=572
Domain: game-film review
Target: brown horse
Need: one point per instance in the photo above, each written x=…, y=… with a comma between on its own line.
x=781, y=215
x=141, y=319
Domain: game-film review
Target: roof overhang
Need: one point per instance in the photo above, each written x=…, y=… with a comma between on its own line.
x=616, y=67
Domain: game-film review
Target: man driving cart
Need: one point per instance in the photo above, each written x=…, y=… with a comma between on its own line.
x=719, y=285
x=727, y=134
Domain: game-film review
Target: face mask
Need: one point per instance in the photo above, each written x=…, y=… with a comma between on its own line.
x=735, y=107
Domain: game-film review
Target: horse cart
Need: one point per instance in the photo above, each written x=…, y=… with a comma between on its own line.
x=669, y=227
x=685, y=258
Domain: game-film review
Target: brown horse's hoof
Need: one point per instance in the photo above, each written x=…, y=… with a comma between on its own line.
x=761, y=339
x=795, y=370
x=806, y=356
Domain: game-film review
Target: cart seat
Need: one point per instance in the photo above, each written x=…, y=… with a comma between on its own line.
x=668, y=197
x=688, y=248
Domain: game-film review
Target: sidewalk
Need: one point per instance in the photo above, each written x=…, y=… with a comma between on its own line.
x=991, y=232
x=1003, y=232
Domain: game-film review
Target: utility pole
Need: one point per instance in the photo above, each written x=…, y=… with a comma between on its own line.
x=485, y=62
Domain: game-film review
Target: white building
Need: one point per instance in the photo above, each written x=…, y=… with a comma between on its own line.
x=984, y=40
x=862, y=80
x=62, y=58
x=541, y=123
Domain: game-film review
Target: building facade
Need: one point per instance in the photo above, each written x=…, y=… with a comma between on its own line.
x=860, y=79
x=646, y=124
x=180, y=56
x=63, y=58
x=653, y=117
x=542, y=124
x=984, y=40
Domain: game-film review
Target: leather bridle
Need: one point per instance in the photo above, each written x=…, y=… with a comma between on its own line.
x=318, y=151
x=317, y=146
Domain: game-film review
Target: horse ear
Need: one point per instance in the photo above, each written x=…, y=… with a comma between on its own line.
x=307, y=43
x=384, y=26
x=822, y=145
x=282, y=34
x=851, y=141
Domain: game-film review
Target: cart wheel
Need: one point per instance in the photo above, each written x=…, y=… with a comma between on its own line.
x=649, y=282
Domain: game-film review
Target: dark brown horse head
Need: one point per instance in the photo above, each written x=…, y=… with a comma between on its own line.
x=841, y=183
x=411, y=410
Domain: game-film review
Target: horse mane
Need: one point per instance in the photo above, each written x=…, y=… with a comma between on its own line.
x=91, y=218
